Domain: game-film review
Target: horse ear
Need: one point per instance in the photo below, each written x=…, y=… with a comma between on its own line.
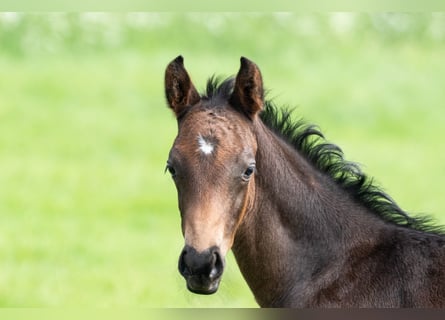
x=179, y=89
x=248, y=93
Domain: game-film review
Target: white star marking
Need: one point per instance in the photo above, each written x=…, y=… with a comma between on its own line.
x=205, y=146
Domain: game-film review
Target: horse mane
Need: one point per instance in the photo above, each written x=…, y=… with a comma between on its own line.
x=327, y=158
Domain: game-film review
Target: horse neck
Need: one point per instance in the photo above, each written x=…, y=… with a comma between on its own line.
x=300, y=223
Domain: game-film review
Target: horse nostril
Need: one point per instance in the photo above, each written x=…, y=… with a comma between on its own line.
x=217, y=265
x=182, y=266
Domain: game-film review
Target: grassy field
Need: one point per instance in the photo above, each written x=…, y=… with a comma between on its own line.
x=88, y=217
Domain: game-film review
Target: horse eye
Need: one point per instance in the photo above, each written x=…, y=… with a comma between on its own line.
x=248, y=173
x=171, y=170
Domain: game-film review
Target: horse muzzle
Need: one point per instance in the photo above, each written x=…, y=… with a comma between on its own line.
x=201, y=270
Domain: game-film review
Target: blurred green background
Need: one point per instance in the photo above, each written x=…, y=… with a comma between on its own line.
x=88, y=217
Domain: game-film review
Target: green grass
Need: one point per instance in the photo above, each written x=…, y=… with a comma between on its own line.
x=88, y=217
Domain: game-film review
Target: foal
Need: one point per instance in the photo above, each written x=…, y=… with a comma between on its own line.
x=308, y=229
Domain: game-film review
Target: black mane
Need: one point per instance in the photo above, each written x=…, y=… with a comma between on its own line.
x=327, y=158
x=218, y=88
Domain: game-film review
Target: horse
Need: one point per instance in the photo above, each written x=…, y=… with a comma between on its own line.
x=307, y=227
